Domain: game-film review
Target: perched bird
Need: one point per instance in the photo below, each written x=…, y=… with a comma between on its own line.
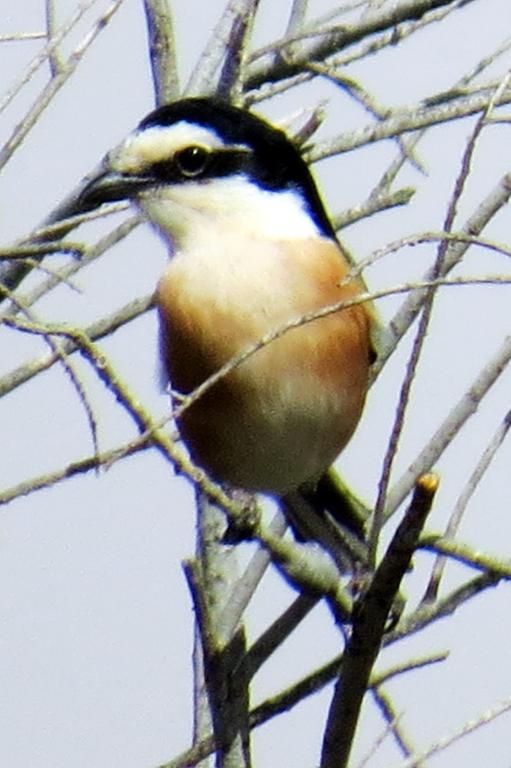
x=251, y=249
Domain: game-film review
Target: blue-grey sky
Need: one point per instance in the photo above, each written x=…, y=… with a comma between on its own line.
x=95, y=617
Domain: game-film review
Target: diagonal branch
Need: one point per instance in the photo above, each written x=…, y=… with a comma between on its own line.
x=369, y=619
x=443, y=436
x=345, y=35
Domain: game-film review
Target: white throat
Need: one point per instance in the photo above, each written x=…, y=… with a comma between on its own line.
x=188, y=211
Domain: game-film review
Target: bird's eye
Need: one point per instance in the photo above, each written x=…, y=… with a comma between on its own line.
x=192, y=161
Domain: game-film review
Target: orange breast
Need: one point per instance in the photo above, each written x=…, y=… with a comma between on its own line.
x=285, y=413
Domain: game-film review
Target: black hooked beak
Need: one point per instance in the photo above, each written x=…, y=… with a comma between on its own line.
x=102, y=186
x=110, y=186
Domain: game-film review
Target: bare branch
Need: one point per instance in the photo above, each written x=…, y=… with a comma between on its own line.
x=375, y=204
x=392, y=719
x=405, y=121
x=162, y=50
x=356, y=52
x=428, y=614
x=54, y=59
x=442, y=437
x=344, y=36
x=243, y=590
x=203, y=77
x=46, y=53
x=21, y=36
x=469, y=727
x=95, y=331
x=229, y=86
x=490, y=206
x=133, y=309
x=79, y=467
x=369, y=620
x=473, y=483
x=422, y=330
x=216, y=567
x=461, y=552
x=278, y=632
x=55, y=84
x=63, y=275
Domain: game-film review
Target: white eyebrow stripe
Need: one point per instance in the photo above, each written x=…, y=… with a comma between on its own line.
x=147, y=146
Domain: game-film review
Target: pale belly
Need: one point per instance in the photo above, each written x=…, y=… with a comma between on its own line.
x=282, y=417
x=273, y=432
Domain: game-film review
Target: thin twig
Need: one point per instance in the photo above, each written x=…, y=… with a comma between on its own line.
x=471, y=486
x=277, y=633
x=422, y=330
x=244, y=589
x=46, y=52
x=393, y=726
x=133, y=309
x=74, y=468
x=345, y=35
x=228, y=691
x=356, y=52
x=97, y=330
x=289, y=698
x=56, y=347
x=474, y=225
x=55, y=84
x=463, y=553
x=428, y=614
x=404, y=121
x=444, y=434
x=469, y=727
x=63, y=274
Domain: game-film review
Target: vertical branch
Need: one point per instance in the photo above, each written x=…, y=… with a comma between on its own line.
x=223, y=641
x=202, y=725
x=162, y=50
x=295, y=24
x=231, y=77
x=54, y=59
x=203, y=76
x=212, y=577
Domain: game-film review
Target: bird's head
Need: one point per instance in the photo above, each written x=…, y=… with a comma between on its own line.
x=203, y=156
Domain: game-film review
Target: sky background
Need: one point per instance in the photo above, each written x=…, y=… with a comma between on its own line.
x=95, y=617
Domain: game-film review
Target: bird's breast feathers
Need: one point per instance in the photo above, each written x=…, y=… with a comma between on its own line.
x=301, y=395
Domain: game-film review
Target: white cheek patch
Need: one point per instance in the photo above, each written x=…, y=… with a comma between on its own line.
x=148, y=146
x=195, y=211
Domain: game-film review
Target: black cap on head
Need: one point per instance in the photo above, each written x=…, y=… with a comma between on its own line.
x=274, y=161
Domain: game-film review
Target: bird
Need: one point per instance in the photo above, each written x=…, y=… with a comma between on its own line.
x=252, y=250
